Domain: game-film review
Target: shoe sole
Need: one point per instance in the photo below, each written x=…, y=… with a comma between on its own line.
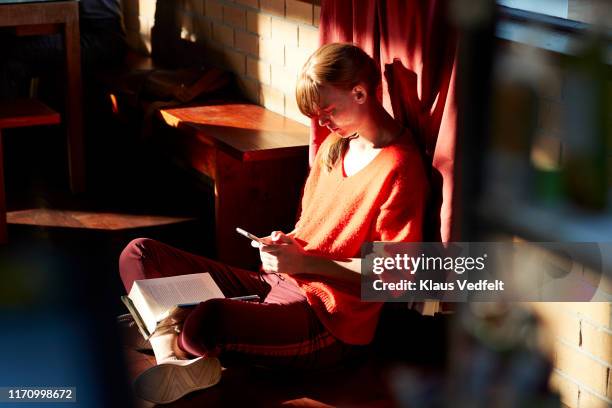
x=167, y=382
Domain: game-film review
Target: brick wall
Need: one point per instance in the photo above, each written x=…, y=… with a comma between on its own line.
x=581, y=350
x=264, y=42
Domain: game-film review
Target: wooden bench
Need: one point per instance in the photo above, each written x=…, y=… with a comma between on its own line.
x=257, y=160
x=15, y=114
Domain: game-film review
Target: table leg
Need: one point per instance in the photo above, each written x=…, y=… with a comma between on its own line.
x=259, y=196
x=74, y=113
x=231, y=211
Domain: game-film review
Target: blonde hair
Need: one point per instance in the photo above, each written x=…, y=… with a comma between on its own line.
x=342, y=66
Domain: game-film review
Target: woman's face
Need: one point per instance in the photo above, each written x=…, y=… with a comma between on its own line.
x=342, y=111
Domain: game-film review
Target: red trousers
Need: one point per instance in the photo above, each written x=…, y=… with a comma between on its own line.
x=281, y=331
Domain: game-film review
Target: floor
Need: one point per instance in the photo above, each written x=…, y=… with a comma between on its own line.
x=252, y=387
x=377, y=378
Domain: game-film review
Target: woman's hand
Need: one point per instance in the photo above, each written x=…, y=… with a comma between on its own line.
x=281, y=253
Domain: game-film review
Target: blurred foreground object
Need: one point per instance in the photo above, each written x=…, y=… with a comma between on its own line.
x=58, y=326
x=587, y=121
x=497, y=358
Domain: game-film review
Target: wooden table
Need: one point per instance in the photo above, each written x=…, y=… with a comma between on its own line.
x=257, y=160
x=63, y=15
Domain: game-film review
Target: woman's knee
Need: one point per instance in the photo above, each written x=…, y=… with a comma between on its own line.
x=131, y=260
x=137, y=247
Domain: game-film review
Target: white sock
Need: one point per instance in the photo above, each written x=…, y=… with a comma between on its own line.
x=163, y=346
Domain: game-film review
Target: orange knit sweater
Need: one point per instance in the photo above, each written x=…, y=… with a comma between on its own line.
x=384, y=201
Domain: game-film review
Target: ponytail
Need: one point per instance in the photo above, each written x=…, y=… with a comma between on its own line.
x=335, y=151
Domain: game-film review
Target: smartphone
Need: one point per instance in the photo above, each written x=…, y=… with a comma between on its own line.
x=249, y=235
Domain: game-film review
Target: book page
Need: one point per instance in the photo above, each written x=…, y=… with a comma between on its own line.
x=164, y=293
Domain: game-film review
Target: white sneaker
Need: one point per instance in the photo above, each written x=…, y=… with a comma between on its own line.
x=171, y=380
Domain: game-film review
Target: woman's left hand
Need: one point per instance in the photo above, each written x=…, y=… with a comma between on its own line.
x=282, y=255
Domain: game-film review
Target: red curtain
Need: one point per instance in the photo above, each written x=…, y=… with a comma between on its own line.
x=416, y=48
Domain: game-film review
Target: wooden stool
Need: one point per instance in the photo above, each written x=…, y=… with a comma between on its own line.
x=15, y=114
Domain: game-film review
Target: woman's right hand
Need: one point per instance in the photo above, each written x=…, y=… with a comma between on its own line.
x=265, y=240
x=281, y=253
x=268, y=240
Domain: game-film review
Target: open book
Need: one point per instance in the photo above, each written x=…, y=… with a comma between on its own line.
x=153, y=301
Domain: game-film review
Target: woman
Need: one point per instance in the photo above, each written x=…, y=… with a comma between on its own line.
x=367, y=184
